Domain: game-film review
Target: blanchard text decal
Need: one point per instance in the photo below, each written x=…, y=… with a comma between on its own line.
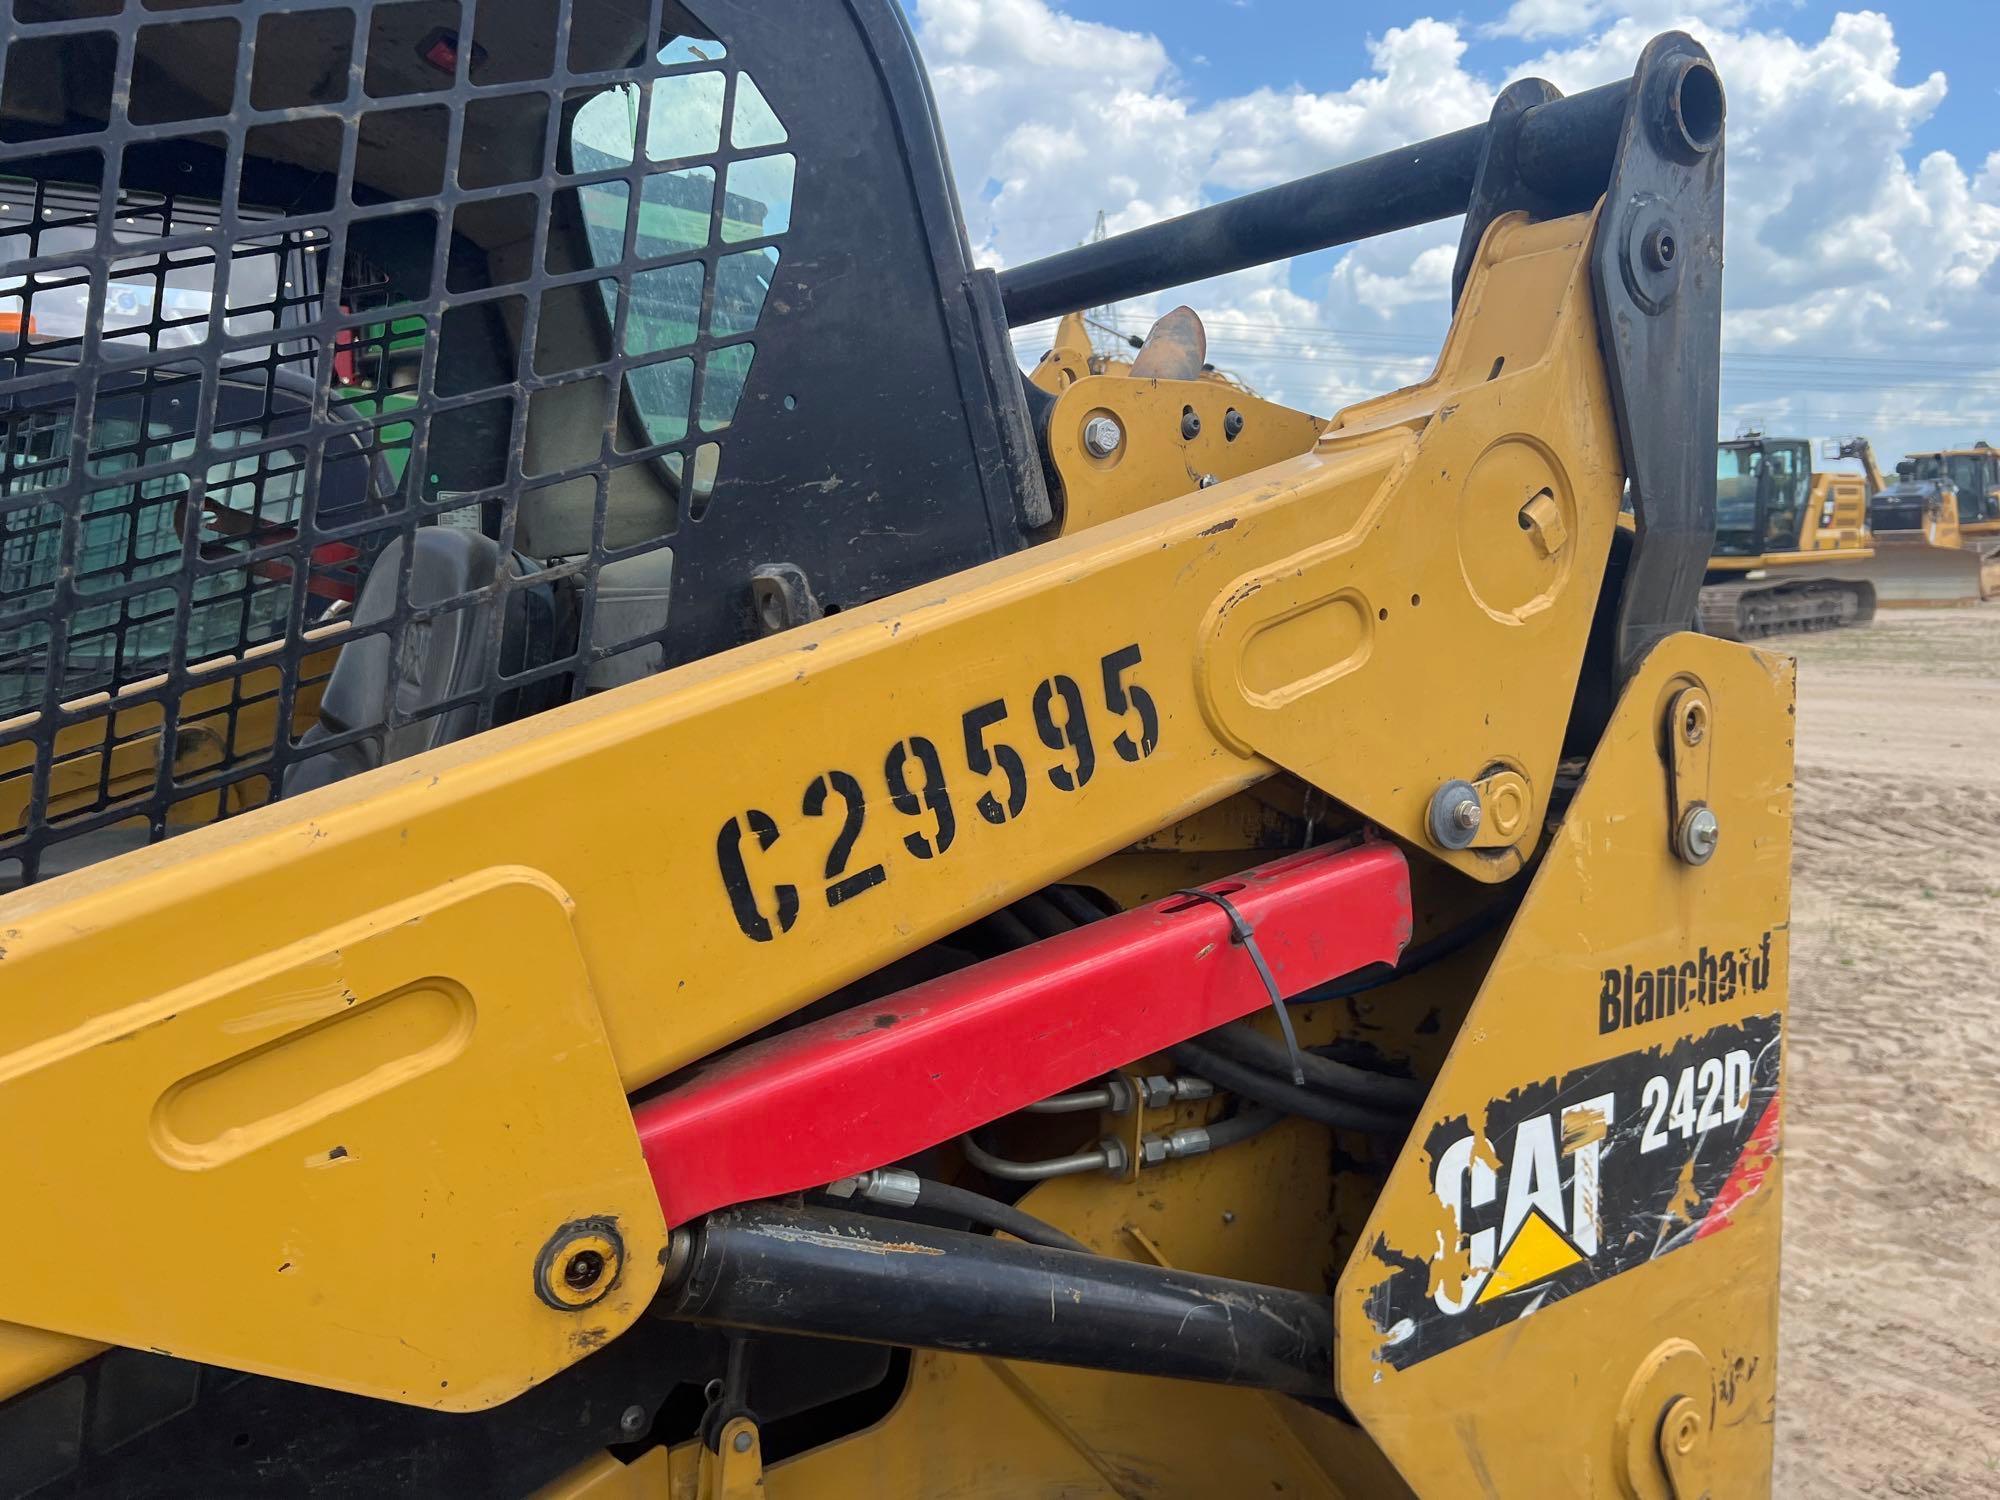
x=1569, y=1181
x=1634, y=997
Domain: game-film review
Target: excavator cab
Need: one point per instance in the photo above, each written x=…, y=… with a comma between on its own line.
x=633, y=869
x=1760, y=494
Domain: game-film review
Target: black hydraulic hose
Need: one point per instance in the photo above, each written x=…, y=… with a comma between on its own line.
x=1073, y=904
x=1041, y=917
x=993, y=1214
x=1013, y=932
x=1279, y=1094
x=1249, y=1119
x=1241, y=1042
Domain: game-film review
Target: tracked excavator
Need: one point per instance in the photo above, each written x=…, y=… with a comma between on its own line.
x=628, y=878
x=1792, y=543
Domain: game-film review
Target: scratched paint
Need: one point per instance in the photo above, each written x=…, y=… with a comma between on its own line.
x=1567, y=1182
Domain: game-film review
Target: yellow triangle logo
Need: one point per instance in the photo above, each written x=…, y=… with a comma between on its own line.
x=1538, y=1251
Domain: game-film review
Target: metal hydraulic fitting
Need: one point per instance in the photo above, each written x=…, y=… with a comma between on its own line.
x=883, y=1185
x=1190, y=1140
x=1157, y=1091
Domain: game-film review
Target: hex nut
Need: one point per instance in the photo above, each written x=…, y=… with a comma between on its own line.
x=1700, y=832
x=1455, y=815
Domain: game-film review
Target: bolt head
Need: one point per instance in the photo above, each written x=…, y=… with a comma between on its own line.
x=1455, y=815
x=1694, y=724
x=742, y=1443
x=583, y=1269
x=1101, y=436
x=1232, y=423
x=1700, y=833
x=632, y=1421
x=1190, y=424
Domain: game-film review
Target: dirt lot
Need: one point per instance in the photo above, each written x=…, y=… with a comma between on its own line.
x=1889, y=1372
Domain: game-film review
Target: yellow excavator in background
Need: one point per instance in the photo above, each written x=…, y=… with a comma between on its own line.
x=1792, y=543
x=628, y=878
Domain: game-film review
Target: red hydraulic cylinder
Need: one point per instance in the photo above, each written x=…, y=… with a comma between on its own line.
x=885, y=1080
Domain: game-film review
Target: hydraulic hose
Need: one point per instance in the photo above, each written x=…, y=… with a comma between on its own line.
x=1245, y=1044
x=994, y=1214
x=1279, y=1094
x=1249, y=1120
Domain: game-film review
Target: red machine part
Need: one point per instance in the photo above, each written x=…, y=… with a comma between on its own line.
x=877, y=1083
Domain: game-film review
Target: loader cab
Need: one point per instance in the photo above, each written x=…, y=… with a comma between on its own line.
x=1919, y=511
x=1975, y=474
x=158, y=494
x=1761, y=490
x=612, y=334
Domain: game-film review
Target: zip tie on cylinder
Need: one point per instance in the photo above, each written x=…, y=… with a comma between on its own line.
x=1245, y=937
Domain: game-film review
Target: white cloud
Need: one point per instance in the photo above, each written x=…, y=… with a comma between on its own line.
x=1544, y=18
x=1841, y=249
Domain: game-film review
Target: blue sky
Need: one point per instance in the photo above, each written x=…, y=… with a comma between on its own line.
x=1235, y=37
x=1862, y=284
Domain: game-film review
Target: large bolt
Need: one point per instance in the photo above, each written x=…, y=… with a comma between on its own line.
x=1101, y=436
x=1659, y=247
x=632, y=1421
x=1190, y=423
x=1700, y=833
x=580, y=1264
x=583, y=1270
x=1694, y=722
x=742, y=1442
x=1455, y=815
x=1232, y=423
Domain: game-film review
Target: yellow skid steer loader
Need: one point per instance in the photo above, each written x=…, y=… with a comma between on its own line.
x=626, y=877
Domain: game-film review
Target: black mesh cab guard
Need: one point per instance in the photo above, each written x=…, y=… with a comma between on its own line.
x=629, y=288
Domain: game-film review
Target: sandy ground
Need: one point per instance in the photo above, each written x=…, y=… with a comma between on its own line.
x=1889, y=1368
